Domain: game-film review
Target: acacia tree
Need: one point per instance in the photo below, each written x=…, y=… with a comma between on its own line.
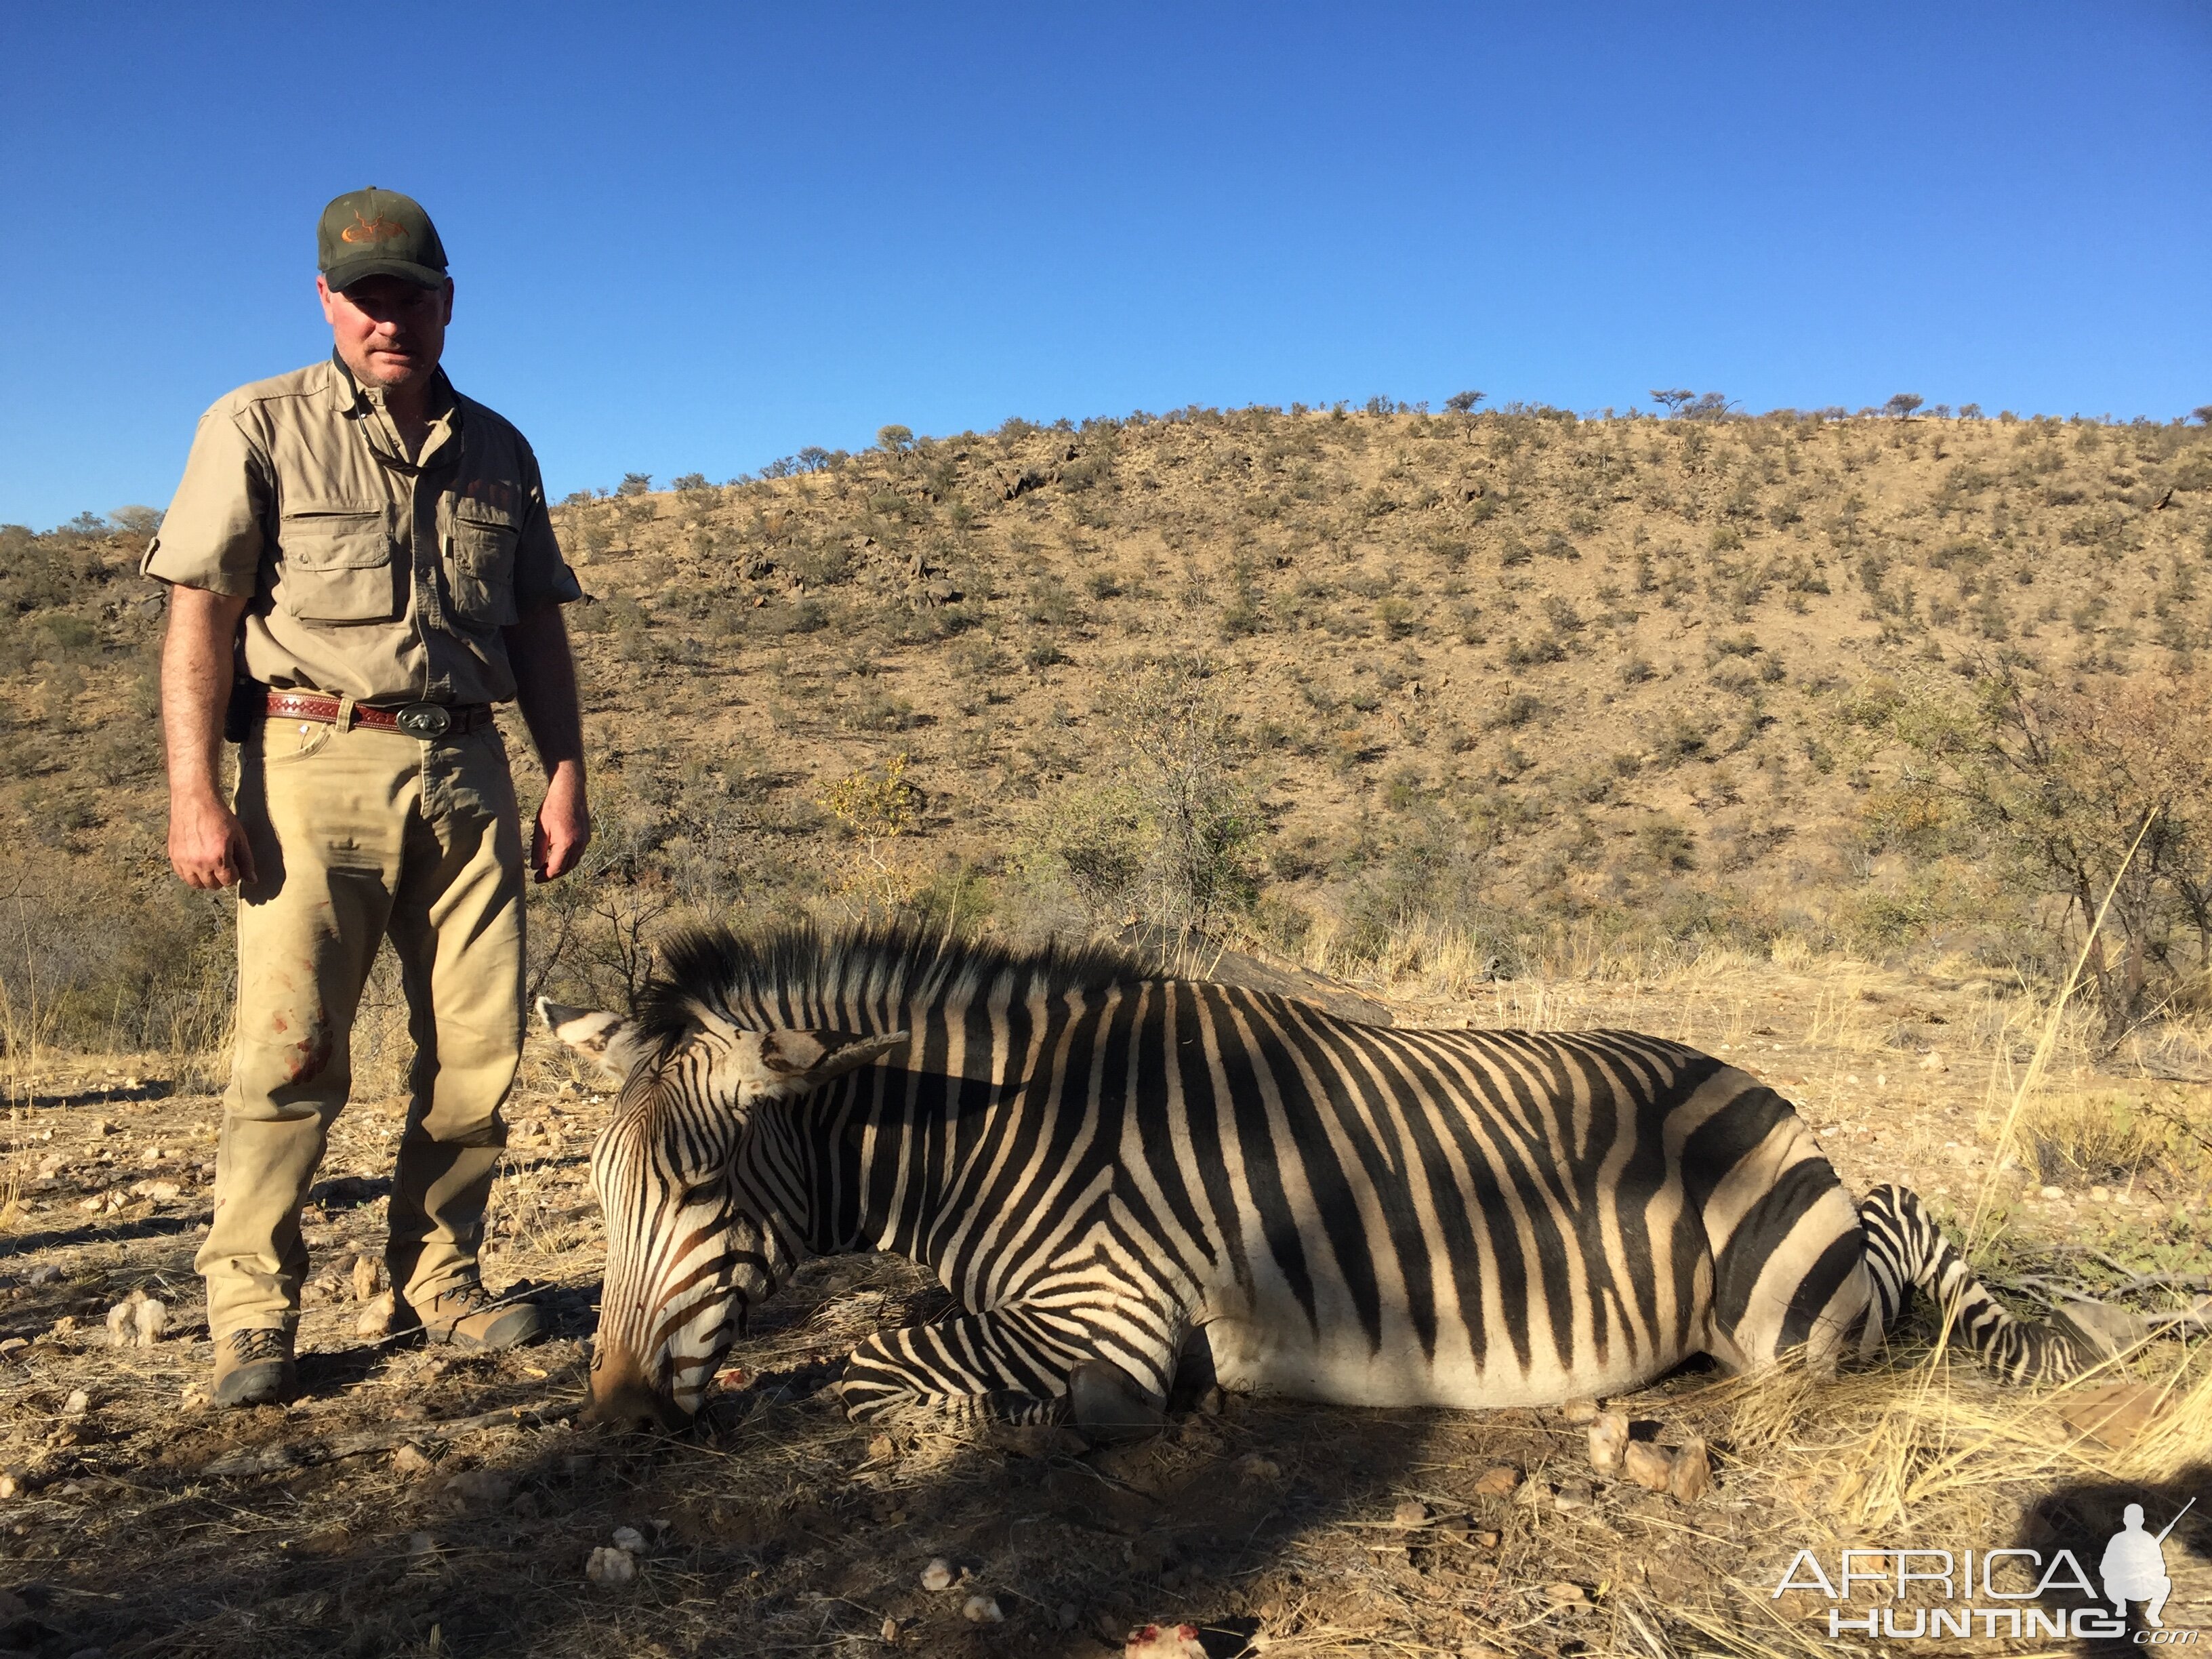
x=2090, y=789
x=1463, y=402
x=1673, y=399
x=1902, y=403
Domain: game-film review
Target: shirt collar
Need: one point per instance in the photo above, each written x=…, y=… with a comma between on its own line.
x=348, y=396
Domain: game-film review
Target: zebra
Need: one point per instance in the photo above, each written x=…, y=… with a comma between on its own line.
x=1127, y=1181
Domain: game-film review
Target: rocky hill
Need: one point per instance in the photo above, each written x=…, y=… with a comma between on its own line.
x=1380, y=692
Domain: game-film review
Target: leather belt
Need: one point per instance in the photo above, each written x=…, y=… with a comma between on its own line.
x=425, y=720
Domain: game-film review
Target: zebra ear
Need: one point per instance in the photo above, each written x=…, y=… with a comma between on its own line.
x=607, y=1039
x=794, y=1063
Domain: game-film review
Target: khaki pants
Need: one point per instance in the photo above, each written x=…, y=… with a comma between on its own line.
x=356, y=835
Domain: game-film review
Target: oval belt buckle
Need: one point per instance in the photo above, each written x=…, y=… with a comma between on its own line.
x=425, y=720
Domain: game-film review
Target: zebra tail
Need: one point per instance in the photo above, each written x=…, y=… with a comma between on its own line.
x=1904, y=1250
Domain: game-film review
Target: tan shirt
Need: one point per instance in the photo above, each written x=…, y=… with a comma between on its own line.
x=369, y=574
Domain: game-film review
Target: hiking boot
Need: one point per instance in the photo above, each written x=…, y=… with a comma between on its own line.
x=253, y=1368
x=469, y=1317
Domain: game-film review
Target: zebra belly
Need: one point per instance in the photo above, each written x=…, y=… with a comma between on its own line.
x=1287, y=1357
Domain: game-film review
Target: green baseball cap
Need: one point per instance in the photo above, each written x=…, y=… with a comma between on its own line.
x=378, y=233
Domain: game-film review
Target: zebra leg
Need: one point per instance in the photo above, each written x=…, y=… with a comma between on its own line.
x=1006, y=1365
x=1905, y=1249
x=994, y=1367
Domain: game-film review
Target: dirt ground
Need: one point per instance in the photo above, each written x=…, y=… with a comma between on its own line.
x=359, y=1519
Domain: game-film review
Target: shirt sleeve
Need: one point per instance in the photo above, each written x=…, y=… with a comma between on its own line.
x=211, y=537
x=542, y=576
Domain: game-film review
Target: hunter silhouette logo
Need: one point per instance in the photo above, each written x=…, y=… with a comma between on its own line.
x=378, y=229
x=2134, y=1567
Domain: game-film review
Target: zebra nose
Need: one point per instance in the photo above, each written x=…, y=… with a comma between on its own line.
x=622, y=1398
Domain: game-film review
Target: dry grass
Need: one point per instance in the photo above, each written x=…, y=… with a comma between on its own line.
x=792, y=1531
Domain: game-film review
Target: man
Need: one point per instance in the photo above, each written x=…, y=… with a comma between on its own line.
x=372, y=550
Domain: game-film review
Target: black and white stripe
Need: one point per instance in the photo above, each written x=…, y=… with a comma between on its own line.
x=1106, y=1167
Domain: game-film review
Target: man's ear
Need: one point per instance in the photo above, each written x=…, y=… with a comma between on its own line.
x=608, y=1041
x=793, y=1063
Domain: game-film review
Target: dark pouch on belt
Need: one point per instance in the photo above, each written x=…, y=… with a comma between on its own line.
x=249, y=702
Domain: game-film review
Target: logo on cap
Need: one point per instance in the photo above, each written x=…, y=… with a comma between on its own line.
x=378, y=229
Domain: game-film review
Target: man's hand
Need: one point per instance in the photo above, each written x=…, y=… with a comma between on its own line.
x=207, y=844
x=564, y=825
x=545, y=688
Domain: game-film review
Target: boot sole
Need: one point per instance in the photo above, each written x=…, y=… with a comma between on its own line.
x=515, y=1328
x=254, y=1385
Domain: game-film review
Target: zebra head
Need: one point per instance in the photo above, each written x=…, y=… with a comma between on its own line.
x=701, y=1197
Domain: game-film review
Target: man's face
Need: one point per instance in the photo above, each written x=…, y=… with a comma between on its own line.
x=388, y=331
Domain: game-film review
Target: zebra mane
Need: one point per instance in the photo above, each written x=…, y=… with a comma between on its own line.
x=720, y=969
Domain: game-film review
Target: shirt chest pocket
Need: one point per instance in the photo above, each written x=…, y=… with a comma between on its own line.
x=480, y=564
x=338, y=565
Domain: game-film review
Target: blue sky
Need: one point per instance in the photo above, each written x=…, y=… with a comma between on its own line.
x=695, y=237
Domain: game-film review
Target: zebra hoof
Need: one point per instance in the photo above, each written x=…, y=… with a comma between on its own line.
x=1108, y=1406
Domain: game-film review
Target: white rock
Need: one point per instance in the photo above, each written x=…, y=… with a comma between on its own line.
x=610, y=1566
x=1608, y=1440
x=77, y=1404
x=122, y=1325
x=981, y=1610
x=629, y=1539
x=1164, y=1642
x=153, y=1322
x=1410, y=1512
x=375, y=1319
x=937, y=1576
x=1933, y=1061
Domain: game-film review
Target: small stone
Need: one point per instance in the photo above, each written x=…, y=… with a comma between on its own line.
x=375, y=1319
x=1564, y=1594
x=13, y=1483
x=2054, y=1192
x=629, y=1539
x=368, y=1276
x=1164, y=1642
x=1608, y=1441
x=44, y=1273
x=1496, y=1481
x=1253, y=1466
x=121, y=1330
x=891, y=1630
x=1410, y=1512
x=1066, y=1618
x=410, y=1459
x=422, y=1543
x=1488, y=1539
x=1934, y=1062
x=937, y=1576
x=1692, y=1476
x=1572, y=1495
x=77, y=1404
x=881, y=1448
x=152, y=1321
x=195, y=1398
x=981, y=1610
x=1579, y=1411
x=610, y=1566
x=1649, y=1466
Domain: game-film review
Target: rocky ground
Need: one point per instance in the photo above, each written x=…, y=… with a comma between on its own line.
x=411, y=1503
